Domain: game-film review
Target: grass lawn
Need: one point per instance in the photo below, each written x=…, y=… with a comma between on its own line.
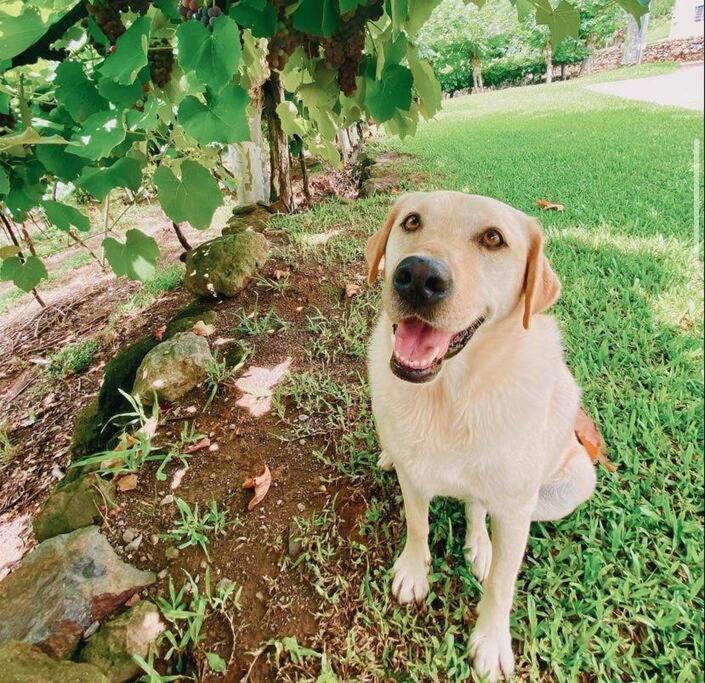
x=614, y=592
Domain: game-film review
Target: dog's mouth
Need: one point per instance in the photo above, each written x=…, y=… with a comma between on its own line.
x=419, y=349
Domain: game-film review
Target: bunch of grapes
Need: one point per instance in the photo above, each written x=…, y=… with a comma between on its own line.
x=282, y=44
x=107, y=16
x=161, y=62
x=191, y=9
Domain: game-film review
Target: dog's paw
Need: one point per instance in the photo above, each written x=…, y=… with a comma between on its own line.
x=410, y=583
x=491, y=650
x=385, y=462
x=478, y=552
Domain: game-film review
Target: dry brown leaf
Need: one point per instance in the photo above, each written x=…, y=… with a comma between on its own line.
x=198, y=446
x=260, y=483
x=127, y=483
x=203, y=329
x=178, y=477
x=281, y=274
x=545, y=205
x=352, y=290
x=159, y=332
x=589, y=437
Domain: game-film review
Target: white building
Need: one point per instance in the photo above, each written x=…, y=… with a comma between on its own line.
x=687, y=20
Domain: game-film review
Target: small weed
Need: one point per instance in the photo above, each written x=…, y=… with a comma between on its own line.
x=219, y=372
x=256, y=322
x=7, y=449
x=73, y=359
x=164, y=280
x=193, y=526
x=269, y=284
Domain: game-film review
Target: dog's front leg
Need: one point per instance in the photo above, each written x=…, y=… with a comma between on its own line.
x=491, y=642
x=410, y=583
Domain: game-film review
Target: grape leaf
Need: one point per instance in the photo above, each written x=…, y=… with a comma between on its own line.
x=636, y=8
x=125, y=172
x=213, y=56
x=76, y=92
x=317, y=17
x=223, y=118
x=121, y=95
x=260, y=18
x=29, y=136
x=101, y=132
x=130, y=55
x=350, y=5
x=292, y=123
x=64, y=216
x=25, y=274
x=193, y=198
x=136, y=259
x=562, y=22
x=55, y=159
x=9, y=250
x=392, y=91
x=216, y=663
x=17, y=33
x=426, y=85
x=398, y=10
x=419, y=13
x=4, y=181
x=169, y=7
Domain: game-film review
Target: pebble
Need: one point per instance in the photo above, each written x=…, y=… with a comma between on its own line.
x=171, y=553
x=223, y=584
x=129, y=535
x=162, y=574
x=213, y=447
x=167, y=500
x=300, y=507
x=259, y=596
x=303, y=417
x=204, y=564
x=154, y=539
x=133, y=545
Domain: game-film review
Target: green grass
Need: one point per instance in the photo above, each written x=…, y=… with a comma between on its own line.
x=165, y=279
x=615, y=591
x=74, y=359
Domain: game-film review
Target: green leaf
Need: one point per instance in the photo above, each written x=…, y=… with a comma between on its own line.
x=419, y=13
x=398, y=10
x=193, y=198
x=25, y=275
x=64, y=166
x=350, y=5
x=562, y=22
x=100, y=133
x=29, y=136
x=136, y=259
x=317, y=17
x=130, y=55
x=223, y=118
x=524, y=9
x=213, y=56
x=392, y=91
x=9, y=250
x=426, y=85
x=120, y=95
x=125, y=172
x=635, y=7
x=76, y=92
x=17, y=33
x=292, y=123
x=216, y=662
x=261, y=20
x=169, y=7
x=64, y=216
x=4, y=181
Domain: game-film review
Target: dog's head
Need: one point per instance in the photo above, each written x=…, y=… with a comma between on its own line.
x=453, y=262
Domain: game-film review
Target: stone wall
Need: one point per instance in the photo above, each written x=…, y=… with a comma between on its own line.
x=683, y=50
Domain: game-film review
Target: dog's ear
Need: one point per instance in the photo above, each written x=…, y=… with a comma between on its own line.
x=542, y=286
x=376, y=245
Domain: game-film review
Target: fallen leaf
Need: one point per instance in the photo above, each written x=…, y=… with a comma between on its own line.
x=281, y=274
x=159, y=332
x=133, y=600
x=127, y=483
x=222, y=341
x=260, y=483
x=176, y=479
x=203, y=329
x=257, y=385
x=198, y=446
x=545, y=205
x=589, y=437
x=352, y=290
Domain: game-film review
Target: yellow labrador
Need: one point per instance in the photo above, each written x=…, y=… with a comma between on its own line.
x=471, y=395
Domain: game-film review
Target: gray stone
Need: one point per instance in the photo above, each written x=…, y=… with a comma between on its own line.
x=73, y=505
x=62, y=587
x=225, y=265
x=173, y=368
x=132, y=632
x=25, y=663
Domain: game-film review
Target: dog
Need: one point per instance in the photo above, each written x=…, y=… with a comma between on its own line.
x=471, y=396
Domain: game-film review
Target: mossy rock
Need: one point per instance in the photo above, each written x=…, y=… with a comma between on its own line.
x=73, y=504
x=251, y=216
x=26, y=663
x=132, y=632
x=87, y=437
x=185, y=323
x=224, y=265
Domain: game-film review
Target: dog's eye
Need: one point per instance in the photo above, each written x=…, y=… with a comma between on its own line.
x=411, y=222
x=492, y=239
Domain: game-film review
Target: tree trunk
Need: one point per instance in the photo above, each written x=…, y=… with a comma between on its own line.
x=548, y=54
x=636, y=40
x=477, y=83
x=304, y=175
x=247, y=158
x=280, y=171
x=562, y=72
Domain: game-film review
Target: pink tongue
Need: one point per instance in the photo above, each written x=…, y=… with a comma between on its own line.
x=416, y=340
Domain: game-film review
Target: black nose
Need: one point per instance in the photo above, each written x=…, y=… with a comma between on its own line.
x=422, y=281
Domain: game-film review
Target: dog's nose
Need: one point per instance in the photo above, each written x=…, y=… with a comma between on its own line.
x=422, y=281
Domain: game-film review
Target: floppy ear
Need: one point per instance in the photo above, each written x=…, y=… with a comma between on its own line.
x=374, y=249
x=542, y=286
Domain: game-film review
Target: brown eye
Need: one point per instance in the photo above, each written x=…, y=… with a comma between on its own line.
x=492, y=239
x=411, y=222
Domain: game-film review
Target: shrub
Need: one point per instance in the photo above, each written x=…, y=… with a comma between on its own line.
x=512, y=70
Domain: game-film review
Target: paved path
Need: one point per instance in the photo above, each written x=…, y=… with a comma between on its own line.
x=681, y=88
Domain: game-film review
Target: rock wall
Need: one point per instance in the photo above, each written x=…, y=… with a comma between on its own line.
x=683, y=50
